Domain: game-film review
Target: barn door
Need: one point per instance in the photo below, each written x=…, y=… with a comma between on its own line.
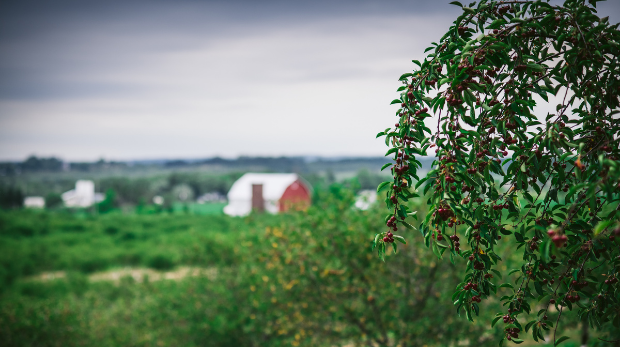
x=258, y=202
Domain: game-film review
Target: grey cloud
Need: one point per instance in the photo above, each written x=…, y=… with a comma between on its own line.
x=47, y=47
x=146, y=79
x=300, y=90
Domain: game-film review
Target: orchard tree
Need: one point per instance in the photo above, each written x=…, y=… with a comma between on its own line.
x=525, y=97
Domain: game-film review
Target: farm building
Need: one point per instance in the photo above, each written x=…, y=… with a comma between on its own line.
x=267, y=192
x=34, y=202
x=83, y=195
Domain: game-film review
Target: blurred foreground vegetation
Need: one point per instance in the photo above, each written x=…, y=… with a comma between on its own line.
x=299, y=279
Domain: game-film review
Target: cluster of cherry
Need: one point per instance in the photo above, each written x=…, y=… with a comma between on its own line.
x=457, y=244
x=500, y=206
x=389, y=238
x=534, y=243
x=391, y=223
x=611, y=280
x=474, y=286
x=445, y=213
x=559, y=240
x=452, y=222
x=401, y=166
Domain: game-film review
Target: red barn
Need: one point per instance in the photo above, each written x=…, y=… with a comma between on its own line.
x=267, y=192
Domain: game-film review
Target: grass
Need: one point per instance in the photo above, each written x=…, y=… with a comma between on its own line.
x=295, y=285
x=32, y=242
x=216, y=208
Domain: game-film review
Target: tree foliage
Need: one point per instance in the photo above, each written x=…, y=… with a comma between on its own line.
x=315, y=284
x=525, y=98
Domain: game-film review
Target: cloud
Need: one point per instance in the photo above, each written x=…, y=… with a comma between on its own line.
x=150, y=79
x=201, y=79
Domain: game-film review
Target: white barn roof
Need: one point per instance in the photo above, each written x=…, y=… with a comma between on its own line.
x=274, y=185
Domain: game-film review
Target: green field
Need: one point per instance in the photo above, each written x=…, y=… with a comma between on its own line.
x=192, y=278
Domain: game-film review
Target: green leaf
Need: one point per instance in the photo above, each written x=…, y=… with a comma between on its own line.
x=436, y=250
x=407, y=225
x=560, y=340
x=400, y=239
x=456, y=3
x=374, y=244
x=495, y=321
x=538, y=288
x=417, y=185
x=390, y=151
x=441, y=245
x=553, y=194
x=535, y=67
x=382, y=186
x=529, y=325
x=468, y=314
x=601, y=226
x=385, y=166
x=519, y=237
x=506, y=285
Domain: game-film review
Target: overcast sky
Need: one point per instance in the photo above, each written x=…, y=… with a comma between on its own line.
x=129, y=79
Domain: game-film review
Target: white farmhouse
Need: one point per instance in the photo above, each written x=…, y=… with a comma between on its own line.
x=271, y=192
x=83, y=195
x=34, y=202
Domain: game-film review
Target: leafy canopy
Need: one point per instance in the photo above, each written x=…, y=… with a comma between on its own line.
x=506, y=170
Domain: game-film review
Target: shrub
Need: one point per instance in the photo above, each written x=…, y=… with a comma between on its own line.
x=315, y=283
x=161, y=261
x=53, y=200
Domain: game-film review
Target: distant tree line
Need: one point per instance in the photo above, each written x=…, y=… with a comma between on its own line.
x=137, y=183
x=35, y=164
x=52, y=164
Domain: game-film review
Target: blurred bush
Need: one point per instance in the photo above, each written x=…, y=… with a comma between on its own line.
x=109, y=202
x=315, y=282
x=53, y=200
x=299, y=279
x=11, y=196
x=161, y=262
